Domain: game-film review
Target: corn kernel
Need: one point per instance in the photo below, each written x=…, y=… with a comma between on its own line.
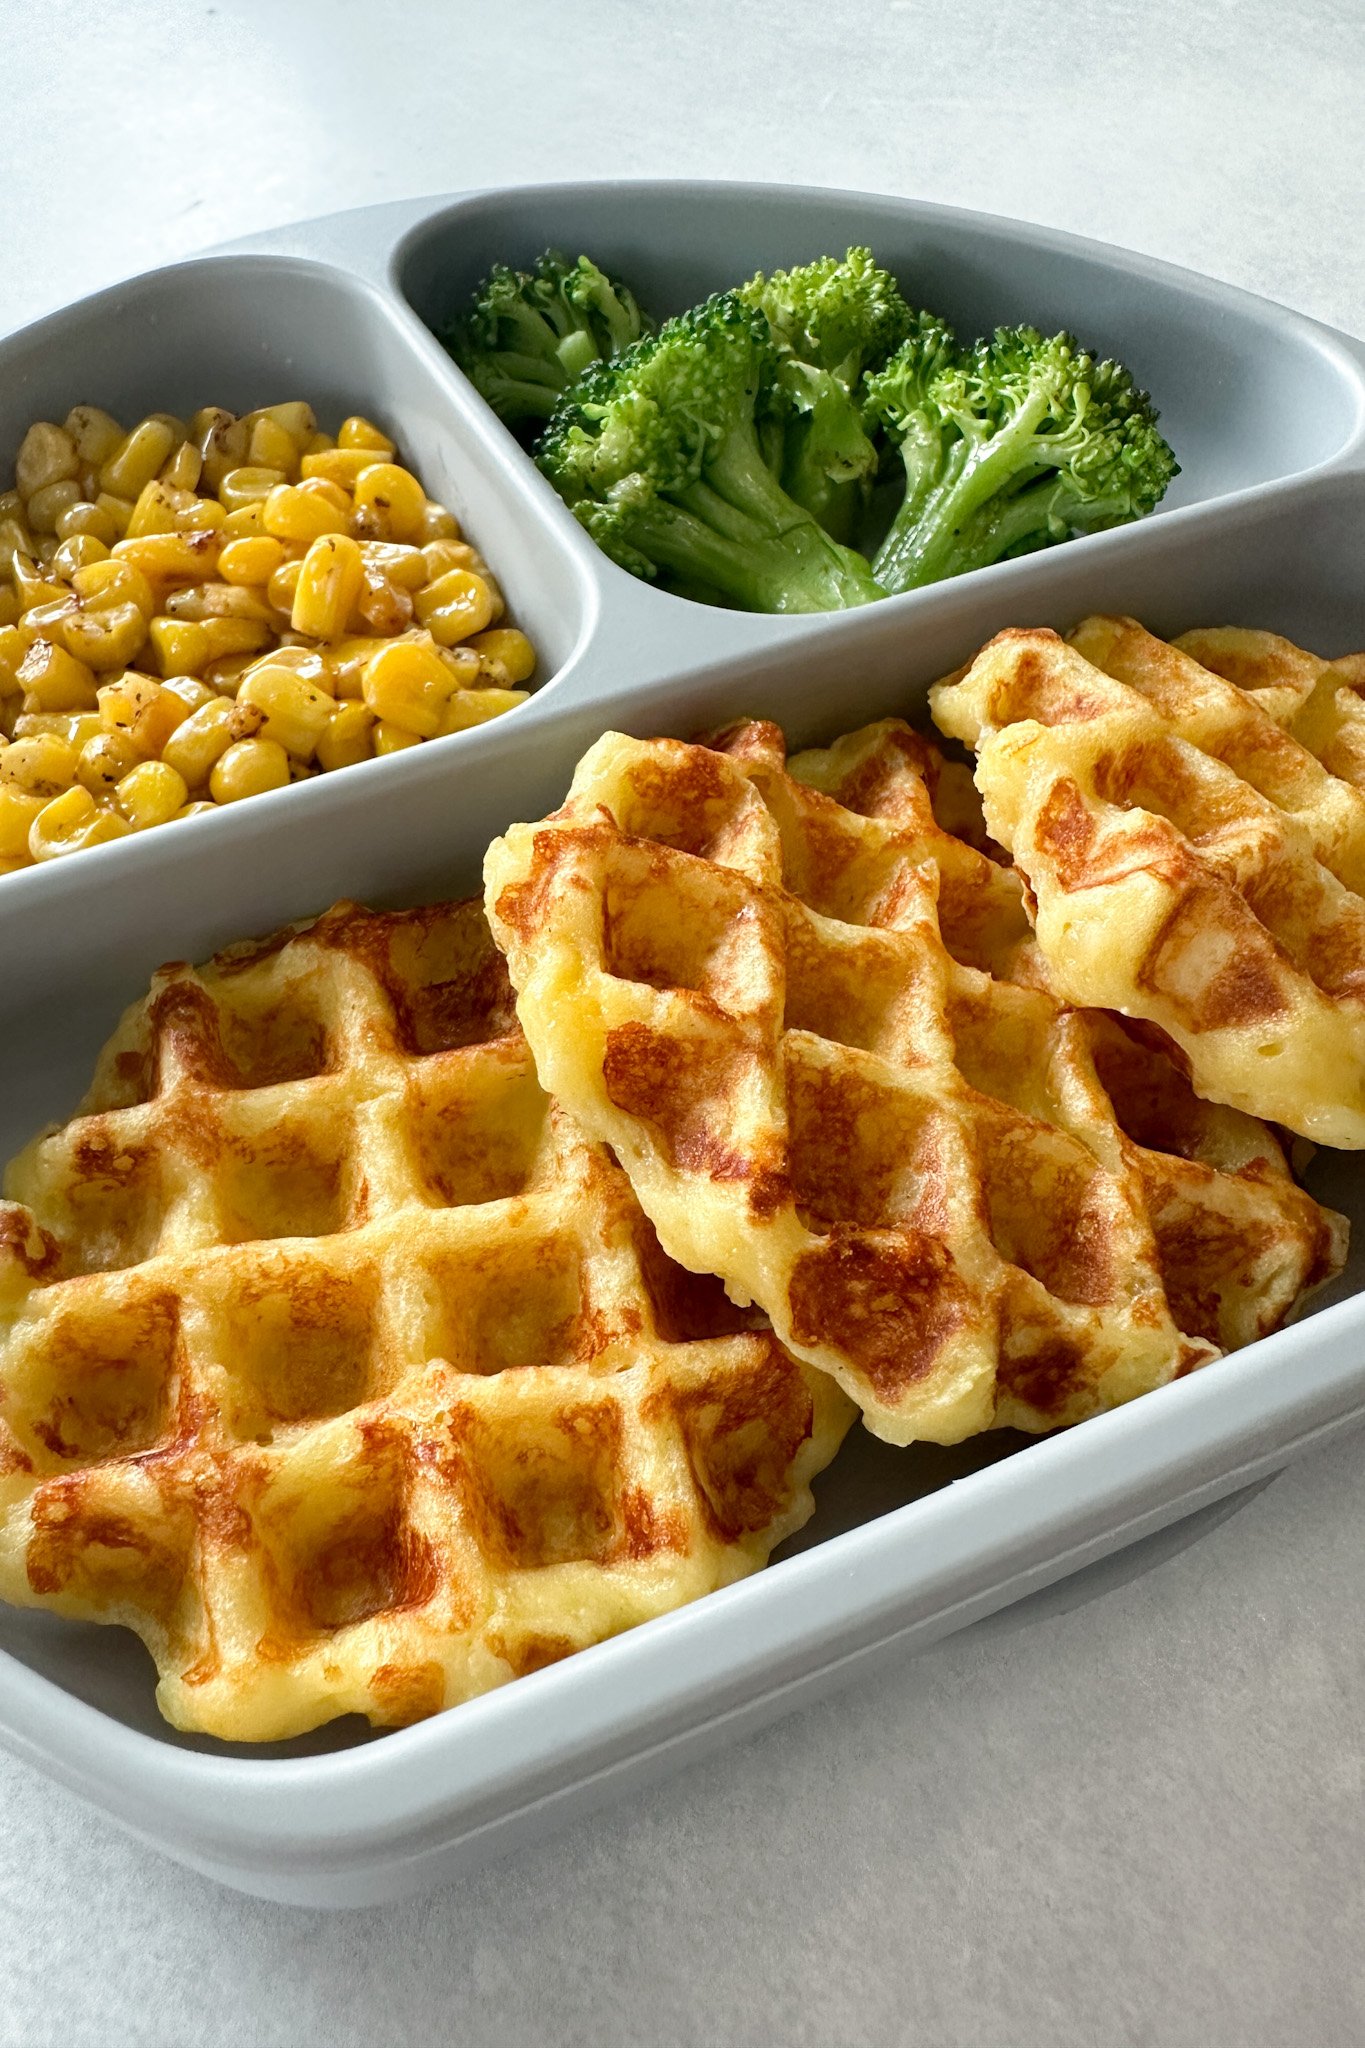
x=201, y=515
x=117, y=581
x=77, y=552
x=48, y=621
x=406, y=685
x=123, y=700
x=46, y=506
x=245, y=521
x=382, y=607
x=392, y=739
x=248, y=485
x=144, y=709
x=185, y=647
x=106, y=636
x=16, y=544
x=331, y=580
x=158, y=507
x=251, y=560
x=296, y=714
x=505, y=655
x=249, y=768
x=441, y=556
x=293, y=513
x=85, y=518
x=455, y=606
x=169, y=557
x=189, y=691
x=389, y=503
x=270, y=447
x=117, y=510
x=463, y=664
x=474, y=707
x=346, y=661
x=9, y=605
x=53, y=680
x=399, y=564
x=14, y=646
x=317, y=444
x=245, y=720
x=332, y=494
x=221, y=439
x=201, y=740
x=358, y=432
x=338, y=465
x=217, y=601
x=95, y=434
x=47, y=455
x=32, y=586
x=438, y=523
x=43, y=763
x=348, y=737
x=151, y=794
x=224, y=676
x=11, y=506
x=311, y=663
x=74, y=726
x=295, y=415
x=196, y=809
x=138, y=457
x=104, y=760
x=282, y=585
x=18, y=809
x=107, y=626
x=183, y=469
x=71, y=822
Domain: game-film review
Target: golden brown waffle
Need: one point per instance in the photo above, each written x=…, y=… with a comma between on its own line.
x=1190, y=862
x=1322, y=703
x=777, y=991
x=338, y=1363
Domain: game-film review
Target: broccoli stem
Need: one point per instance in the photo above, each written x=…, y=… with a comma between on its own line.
x=930, y=536
x=797, y=569
x=835, y=505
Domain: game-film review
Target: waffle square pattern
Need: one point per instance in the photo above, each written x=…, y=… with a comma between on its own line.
x=340, y=1364
x=1195, y=849
x=812, y=1023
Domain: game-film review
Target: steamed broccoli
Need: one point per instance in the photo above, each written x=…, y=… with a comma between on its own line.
x=1007, y=446
x=831, y=320
x=526, y=334
x=659, y=453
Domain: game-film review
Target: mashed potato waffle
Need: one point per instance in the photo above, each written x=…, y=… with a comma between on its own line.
x=1322, y=703
x=1192, y=863
x=339, y=1364
x=800, y=1011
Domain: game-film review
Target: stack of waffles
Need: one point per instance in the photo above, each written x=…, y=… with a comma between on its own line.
x=419, y=1297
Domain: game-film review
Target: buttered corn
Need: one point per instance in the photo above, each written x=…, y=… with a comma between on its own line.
x=197, y=611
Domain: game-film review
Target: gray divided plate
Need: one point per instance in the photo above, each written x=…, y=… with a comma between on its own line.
x=1264, y=528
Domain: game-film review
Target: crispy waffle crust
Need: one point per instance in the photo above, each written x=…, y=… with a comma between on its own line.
x=1193, y=862
x=338, y=1363
x=1321, y=703
x=801, y=1013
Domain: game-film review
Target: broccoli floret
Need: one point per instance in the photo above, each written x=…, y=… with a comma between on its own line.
x=831, y=321
x=526, y=334
x=1007, y=446
x=659, y=454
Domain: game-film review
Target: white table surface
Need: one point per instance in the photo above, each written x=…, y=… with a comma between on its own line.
x=1137, y=1820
